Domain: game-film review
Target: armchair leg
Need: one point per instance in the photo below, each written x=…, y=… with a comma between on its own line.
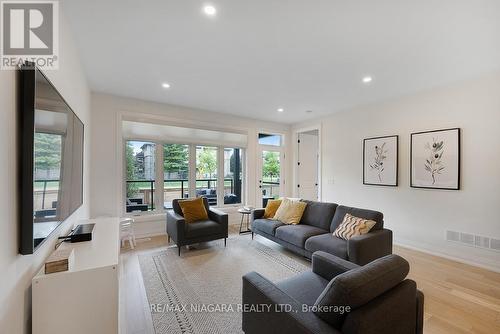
x=224, y=242
x=179, y=247
x=168, y=238
x=252, y=235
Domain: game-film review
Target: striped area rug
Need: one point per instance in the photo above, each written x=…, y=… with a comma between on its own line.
x=199, y=292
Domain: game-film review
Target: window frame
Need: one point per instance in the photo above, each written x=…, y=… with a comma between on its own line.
x=159, y=170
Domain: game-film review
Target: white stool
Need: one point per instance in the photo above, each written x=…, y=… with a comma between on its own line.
x=127, y=232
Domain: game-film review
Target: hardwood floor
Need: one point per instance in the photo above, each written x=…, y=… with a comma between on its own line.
x=458, y=298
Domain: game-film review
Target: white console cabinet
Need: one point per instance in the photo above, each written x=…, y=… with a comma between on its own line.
x=85, y=299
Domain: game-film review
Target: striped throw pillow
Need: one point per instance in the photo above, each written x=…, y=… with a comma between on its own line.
x=352, y=226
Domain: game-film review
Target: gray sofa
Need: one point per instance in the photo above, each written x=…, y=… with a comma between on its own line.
x=216, y=227
x=315, y=233
x=372, y=299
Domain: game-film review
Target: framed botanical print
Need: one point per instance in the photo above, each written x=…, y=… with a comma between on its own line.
x=380, y=161
x=435, y=159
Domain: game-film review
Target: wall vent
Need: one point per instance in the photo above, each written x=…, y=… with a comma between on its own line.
x=495, y=244
x=467, y=238
x=473, y=240
x=483, y=242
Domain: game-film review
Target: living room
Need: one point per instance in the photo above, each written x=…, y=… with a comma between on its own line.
x=256, y=167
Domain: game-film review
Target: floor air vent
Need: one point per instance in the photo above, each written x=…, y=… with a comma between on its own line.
x=473, y=240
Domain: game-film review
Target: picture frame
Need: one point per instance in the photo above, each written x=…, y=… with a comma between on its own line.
x=381, y=161
x=435, y=159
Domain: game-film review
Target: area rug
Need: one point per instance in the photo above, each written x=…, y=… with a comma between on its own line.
x=199, y=292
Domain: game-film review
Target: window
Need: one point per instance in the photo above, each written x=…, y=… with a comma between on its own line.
x=140, y=173
x=187, y=170
x=271, y=172
x=206, y=173
x=233, y=174
x=269, y=139
x=175, y=173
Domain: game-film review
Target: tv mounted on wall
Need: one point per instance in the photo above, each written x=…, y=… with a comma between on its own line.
x=50, y=158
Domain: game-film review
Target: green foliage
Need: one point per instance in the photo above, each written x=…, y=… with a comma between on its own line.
x=176, y=158
x=47, y=151
x=206, y=162
x=271, y=165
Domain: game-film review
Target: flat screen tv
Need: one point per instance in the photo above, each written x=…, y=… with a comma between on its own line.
x=50, y=158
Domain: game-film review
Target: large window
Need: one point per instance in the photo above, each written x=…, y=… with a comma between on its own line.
x=206, y=173
x=175, y=173
x=233, y=174
x=140, y=172
x=186, y=170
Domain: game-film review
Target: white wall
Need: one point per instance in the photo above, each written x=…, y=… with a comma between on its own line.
x=17, y=270
x=108, y=111
x=420, y=217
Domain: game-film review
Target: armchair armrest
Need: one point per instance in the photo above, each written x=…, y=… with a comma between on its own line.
x=328, y=266
x=218, y=216
x=175, y=226
x=257, y=214
x=274, y=311
x=365, y=248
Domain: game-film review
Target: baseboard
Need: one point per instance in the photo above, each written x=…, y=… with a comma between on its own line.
x=447, y=256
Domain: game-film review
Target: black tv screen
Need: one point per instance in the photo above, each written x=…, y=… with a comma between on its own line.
x=50, y=158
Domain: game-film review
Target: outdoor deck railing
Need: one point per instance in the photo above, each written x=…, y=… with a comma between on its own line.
x=182, y=185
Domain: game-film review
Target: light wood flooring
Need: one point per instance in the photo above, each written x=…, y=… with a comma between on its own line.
x=458, y=298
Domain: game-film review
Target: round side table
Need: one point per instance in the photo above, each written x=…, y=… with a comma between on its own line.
x=243, y=214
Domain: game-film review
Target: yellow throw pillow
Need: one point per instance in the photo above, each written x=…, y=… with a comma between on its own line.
x=271, y=208
x=290, y=212
x=193, y=209
x=352, y=226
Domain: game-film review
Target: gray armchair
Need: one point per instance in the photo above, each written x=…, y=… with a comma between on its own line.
x=337, y=296
x=216, y=227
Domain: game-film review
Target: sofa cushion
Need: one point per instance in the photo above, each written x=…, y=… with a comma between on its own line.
x=203, y=228
x=327, y=243
x=318, y=214
x=177, y=207
x=290, y=212
x=271, y=208
x=297, y=234
x=268, y=226
x=352, y=226
x=359, y=286
x=305, y=287
x=341, y=210
x=193, y=210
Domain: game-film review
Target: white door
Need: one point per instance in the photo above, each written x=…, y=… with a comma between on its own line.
x=307, y=166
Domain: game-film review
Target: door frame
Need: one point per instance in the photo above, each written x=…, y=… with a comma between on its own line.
x=296, y=133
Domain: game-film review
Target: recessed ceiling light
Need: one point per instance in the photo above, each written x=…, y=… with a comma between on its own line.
x=209, y=10
x=165, y=85
x=309, y=111
x=367, y=79
x=281, y=109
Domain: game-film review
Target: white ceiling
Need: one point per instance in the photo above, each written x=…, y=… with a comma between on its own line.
x=258, y=55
